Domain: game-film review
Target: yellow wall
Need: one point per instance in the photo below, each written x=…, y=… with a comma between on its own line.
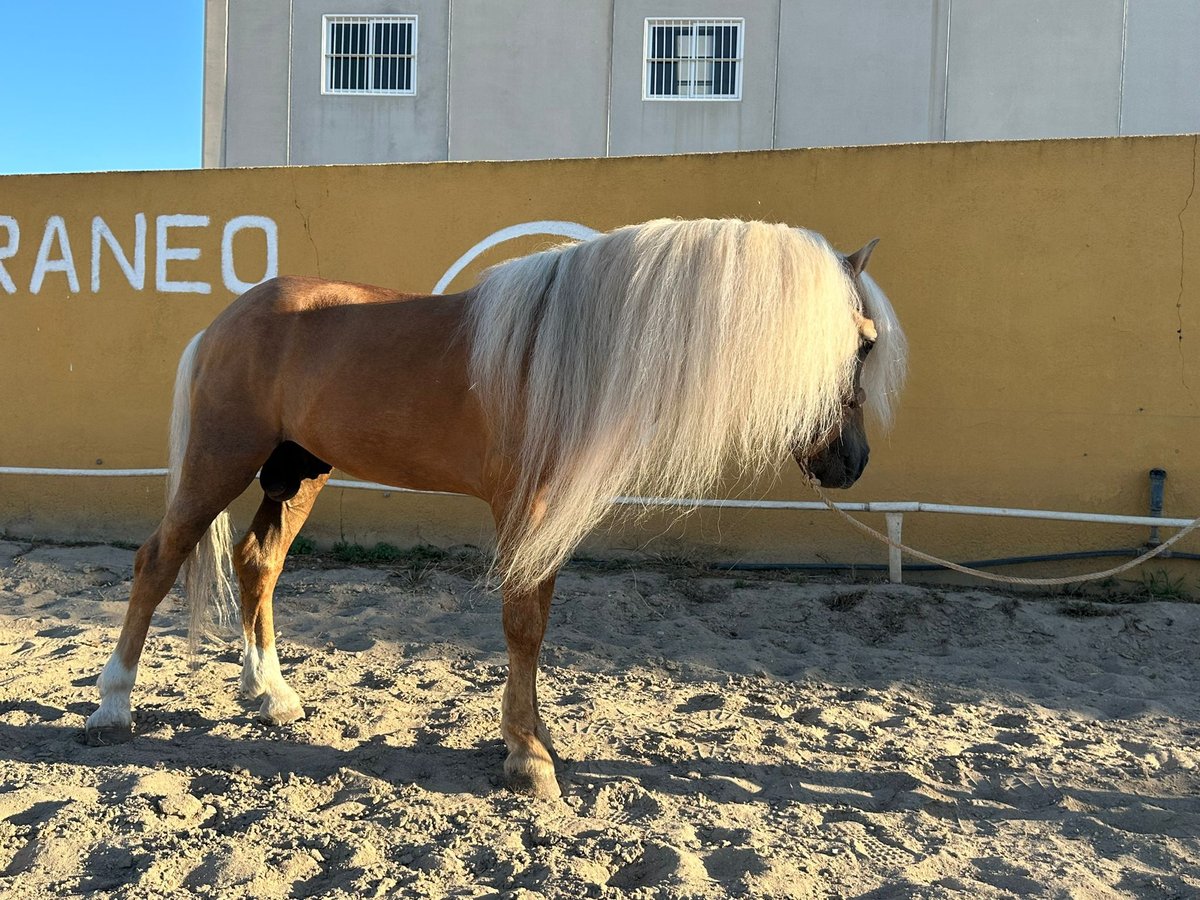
x=1048, y=290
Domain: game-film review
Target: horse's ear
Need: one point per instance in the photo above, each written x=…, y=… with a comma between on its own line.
x=857, y=261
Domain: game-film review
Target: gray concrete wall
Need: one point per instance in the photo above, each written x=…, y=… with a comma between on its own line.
x=1034, y=69
x=256, y=116
x=860, y=72
x=331, y=128
x=546, y=78
x=1162, y=68
x=532, y=86
x=654, y=126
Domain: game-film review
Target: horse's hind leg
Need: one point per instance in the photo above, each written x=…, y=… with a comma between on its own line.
x=258, y=560
x=530, y=766
x=154, y=570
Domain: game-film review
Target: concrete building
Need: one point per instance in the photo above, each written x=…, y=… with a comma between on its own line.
x=348, y=81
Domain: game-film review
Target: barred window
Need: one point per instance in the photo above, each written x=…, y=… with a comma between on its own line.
x=369, y=55
x=693, y=59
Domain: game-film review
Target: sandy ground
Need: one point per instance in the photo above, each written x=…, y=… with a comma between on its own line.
x=719, y=737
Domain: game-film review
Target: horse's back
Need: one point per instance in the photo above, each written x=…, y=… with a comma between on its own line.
x=370, y=380
x=293, y=309
x=290, y=294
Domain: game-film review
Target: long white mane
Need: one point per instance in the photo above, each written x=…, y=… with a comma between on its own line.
x=651, y=359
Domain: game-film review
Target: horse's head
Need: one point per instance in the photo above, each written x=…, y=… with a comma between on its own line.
x=841, y=454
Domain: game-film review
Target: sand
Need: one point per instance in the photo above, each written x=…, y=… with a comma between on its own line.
x=758, y=737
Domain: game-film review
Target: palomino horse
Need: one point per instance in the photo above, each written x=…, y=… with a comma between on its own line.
x=646, y=360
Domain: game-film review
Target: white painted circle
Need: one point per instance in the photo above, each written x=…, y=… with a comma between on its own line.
x=524, y=229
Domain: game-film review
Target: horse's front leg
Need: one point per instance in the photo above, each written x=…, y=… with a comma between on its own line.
x=530, y=765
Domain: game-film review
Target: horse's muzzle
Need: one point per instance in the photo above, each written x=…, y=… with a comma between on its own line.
x=839, y=464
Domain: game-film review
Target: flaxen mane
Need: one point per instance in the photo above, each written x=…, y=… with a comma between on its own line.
x=649, y=359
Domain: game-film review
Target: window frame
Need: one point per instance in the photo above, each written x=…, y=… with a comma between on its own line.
x=695, y=22
x=370, y=20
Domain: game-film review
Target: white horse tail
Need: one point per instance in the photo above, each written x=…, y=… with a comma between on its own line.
x=208, y=572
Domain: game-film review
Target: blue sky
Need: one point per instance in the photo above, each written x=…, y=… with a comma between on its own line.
x=100, y=85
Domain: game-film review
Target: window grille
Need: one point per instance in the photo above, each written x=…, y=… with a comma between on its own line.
x=369, y=55
x=693, y=59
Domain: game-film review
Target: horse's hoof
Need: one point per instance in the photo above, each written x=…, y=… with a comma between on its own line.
x=106, y=735
x=540, y=788
x=280, y=711
x=534, y=778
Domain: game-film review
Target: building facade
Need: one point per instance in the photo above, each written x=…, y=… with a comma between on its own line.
x=304, y=82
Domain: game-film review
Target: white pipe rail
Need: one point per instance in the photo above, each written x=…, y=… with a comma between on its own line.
x=72, y=473
x=907, y=506
x=893, y=510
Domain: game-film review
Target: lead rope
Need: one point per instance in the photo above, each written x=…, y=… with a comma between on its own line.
x=991, y=576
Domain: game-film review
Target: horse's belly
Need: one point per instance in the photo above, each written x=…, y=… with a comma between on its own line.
x=432, y=443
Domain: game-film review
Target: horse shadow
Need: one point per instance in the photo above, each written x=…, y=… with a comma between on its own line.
x=181, y=742
x=431, y=765
x=189, y=738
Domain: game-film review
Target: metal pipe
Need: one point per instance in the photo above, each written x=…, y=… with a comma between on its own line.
x=1052, y=515
x=751, y=504
x=1158, y=478
x=877, y=506
x=103, y=473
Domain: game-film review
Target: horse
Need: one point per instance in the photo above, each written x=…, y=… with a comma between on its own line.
x=646, y=360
